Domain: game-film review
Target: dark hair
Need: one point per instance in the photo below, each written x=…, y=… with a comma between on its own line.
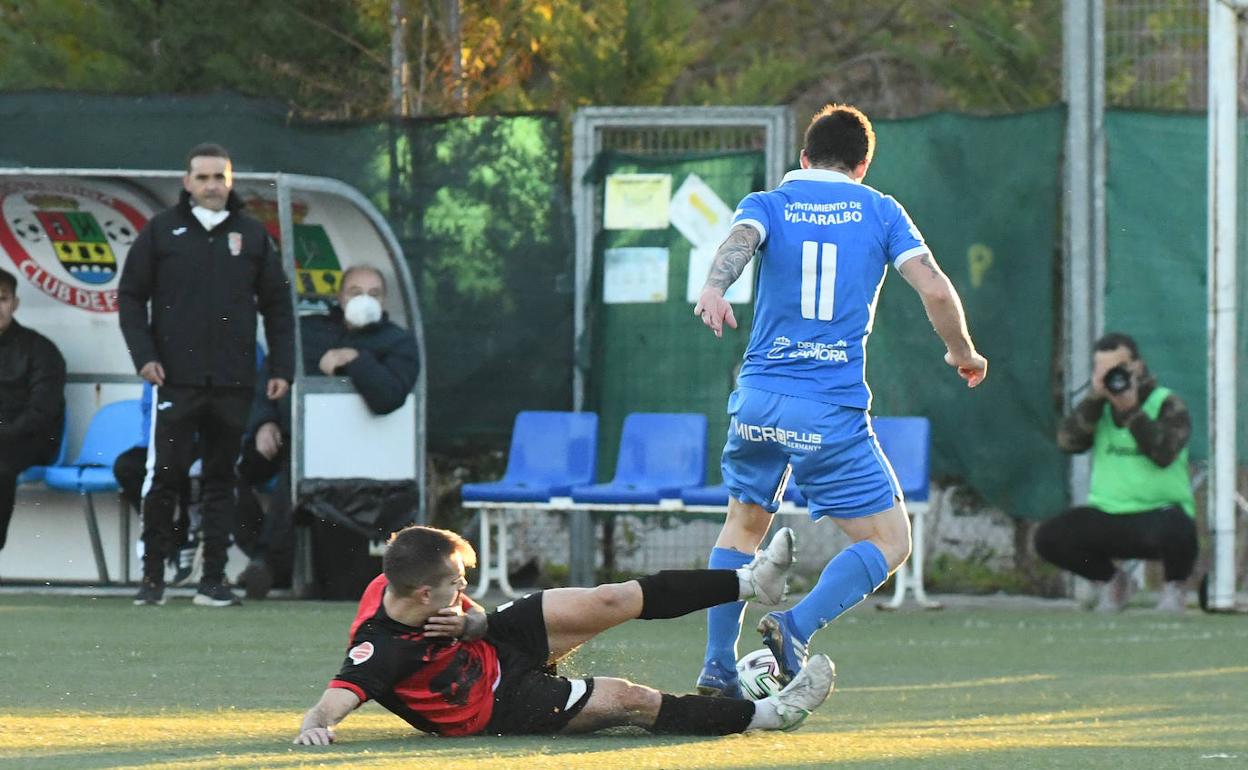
x=9, y=280
x=418, y=556
x=1115, y=340
x=839, y=135
x=206, y=150
x=362, y=268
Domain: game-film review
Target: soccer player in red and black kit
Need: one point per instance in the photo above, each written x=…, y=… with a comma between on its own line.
x=427, y=652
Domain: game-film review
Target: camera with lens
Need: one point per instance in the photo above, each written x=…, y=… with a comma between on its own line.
x=1117, y=379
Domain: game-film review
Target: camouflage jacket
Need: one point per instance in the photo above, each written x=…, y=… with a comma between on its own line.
x=1159, y=440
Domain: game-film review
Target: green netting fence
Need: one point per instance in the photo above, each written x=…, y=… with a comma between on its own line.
x=985, y=193
x=1155, y=285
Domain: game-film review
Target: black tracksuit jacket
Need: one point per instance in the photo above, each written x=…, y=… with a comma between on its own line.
x=204, y=289
x=32, y=391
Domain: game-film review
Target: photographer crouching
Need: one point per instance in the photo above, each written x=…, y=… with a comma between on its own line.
x=1140, y=503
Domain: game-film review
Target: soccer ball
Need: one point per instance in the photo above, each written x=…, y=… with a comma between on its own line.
x=756, y=673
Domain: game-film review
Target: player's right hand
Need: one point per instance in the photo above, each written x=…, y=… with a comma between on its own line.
x=971, y=367
x=315, y=736
x=715, y=311
x=153, y=372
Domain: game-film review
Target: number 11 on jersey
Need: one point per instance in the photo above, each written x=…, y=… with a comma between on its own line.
x=821, y=272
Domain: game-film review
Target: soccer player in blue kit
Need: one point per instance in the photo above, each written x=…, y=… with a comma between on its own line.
x=801, y=406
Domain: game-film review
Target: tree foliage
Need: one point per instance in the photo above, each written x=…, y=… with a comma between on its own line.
x=328, y=58
x=320, y=56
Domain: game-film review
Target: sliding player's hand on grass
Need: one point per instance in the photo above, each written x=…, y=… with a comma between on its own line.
x=316, y=736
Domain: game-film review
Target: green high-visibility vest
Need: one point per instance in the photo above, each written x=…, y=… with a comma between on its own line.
x=1126, y=481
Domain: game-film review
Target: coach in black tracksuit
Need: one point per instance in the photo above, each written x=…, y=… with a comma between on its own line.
x=205, y=267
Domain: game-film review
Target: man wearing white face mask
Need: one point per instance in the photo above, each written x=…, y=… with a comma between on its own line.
x=192, y=284
x=356, y=340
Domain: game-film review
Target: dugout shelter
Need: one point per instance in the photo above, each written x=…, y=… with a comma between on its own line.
x=65, y=233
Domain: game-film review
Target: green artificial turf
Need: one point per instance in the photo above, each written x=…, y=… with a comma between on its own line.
x=98, y=683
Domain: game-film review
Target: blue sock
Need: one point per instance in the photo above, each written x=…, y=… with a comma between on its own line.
x=723, y=621
x=849, y=578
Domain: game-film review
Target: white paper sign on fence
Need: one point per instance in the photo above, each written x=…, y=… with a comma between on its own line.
x=635, y=274
x=636, y=202
x=699, y=214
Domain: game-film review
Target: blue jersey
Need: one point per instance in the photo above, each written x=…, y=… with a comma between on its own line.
x=826, y=242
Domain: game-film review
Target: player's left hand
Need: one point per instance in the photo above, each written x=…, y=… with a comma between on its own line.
x=971, y=367
x=449, y=623
x=715, y=311
x=336, y=358
x=315, y=736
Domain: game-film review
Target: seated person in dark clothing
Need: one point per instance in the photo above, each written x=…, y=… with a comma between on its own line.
x=1140, y=503
x=356, y=340
x=32, y=399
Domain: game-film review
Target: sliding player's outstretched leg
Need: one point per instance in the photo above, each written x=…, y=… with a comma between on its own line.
x=575, y=615
x=616, y=702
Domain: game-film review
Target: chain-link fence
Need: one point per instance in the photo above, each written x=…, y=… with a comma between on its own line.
x=1156, y=55
x=961, y=529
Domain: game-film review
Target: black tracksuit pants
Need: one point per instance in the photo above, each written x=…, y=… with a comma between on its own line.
x=266, y=536
x=130, y=470
x=217, y=416
x=14, y=459
x=1086, y=540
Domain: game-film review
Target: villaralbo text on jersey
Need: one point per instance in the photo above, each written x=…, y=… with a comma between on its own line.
x=834, y=213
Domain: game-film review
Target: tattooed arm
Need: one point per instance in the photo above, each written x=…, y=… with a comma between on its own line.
x=944, y=310
x=730, y=261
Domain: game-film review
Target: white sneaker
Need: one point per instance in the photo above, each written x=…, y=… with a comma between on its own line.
x=1173, y=597
x=810, y=688
x=768, y=573
x=1115, y=593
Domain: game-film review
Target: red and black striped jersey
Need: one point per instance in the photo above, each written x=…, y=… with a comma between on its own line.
x=439, y=685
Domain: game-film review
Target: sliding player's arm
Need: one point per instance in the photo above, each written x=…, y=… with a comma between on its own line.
x=944, y=310
x=318, y=724
x=730, y=261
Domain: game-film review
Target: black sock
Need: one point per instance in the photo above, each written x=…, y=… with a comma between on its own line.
x=702, y=715
x=675, y=592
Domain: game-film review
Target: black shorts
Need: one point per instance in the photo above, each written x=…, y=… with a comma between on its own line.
x=531, y=699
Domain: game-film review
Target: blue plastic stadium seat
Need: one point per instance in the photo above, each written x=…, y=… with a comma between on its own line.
x=110, y=433
x=717, y=495
x=907, y=443
x=660, y=454
x=713, y=495
x=35, y=473
x=550, y=453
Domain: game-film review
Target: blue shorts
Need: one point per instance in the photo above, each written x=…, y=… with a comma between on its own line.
x=835, y=458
